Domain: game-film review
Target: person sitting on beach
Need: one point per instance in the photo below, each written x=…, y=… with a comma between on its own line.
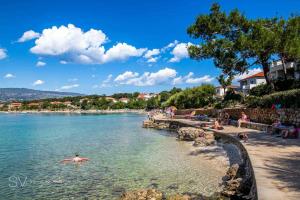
x=225, y=118
x=76, y=159
x=275, y=126
x=217, y=125
x=291, y=132
x=244, y=118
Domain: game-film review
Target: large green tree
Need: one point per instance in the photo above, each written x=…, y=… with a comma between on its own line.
x=234, y=42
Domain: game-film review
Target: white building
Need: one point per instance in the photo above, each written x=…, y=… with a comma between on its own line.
x=124, y=100
x=252, y=81
x=220, y=90
x=277, y=72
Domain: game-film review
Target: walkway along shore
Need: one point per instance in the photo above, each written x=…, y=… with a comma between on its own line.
x=275, y=161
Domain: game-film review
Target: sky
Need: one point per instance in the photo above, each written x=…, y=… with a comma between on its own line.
x=105, y=47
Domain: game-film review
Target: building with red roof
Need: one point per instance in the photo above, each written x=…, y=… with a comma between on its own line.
x=252, y=81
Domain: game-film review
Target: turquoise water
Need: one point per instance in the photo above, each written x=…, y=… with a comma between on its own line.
x=123, y=156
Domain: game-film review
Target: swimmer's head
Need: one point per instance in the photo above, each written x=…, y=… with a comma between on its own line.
x=76, y=154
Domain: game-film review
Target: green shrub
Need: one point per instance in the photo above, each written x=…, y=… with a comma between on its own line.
x=231, y=95
x=287, y=99
x=261, y=90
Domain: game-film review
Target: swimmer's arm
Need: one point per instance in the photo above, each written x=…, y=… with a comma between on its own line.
x=67, y=160
x=84, y=159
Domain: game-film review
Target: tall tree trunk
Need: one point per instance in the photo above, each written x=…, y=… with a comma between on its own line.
x=284, y=67
x=266, y=69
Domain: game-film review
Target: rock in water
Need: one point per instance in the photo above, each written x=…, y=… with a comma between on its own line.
x=144, y=194
x=232, y=171
x=189, y=133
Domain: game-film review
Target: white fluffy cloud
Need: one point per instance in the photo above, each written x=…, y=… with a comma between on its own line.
x=74, y=45
x=38, y=82
x=8, y=76
x=126, y=75
x=28, y=35
x=150, y=55
x=40, y=64
x=190, y=79
x=249, y=73
x=67, y=87
x=2, y=54
x=170, y=45
x=203, y=79
x=180, y=52
x=149, y=79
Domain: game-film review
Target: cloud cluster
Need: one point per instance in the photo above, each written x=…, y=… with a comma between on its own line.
x=8, y=76
x=38, y=82
x=190, y=79
x=162, y=76
x=126, y=75
x=246, y=74
x=72, y=44
x=150, y=55
x=2, y=54
x=67, y=87
x=40, y=64
x=28, y=35
x=180, y=52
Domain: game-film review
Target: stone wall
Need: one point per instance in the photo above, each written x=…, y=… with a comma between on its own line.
x=259, y=115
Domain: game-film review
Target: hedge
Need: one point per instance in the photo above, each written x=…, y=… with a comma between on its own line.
x=287, y=99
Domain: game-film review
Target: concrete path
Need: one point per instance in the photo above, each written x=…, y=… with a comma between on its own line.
x=275, y=161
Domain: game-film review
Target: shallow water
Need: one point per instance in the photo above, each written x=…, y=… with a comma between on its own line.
x=123, y=156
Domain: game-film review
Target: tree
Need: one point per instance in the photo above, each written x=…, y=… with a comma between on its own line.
x=288, y=41
x=225, y=82
x=234, y=42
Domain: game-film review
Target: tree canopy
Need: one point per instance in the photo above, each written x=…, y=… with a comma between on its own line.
x=236, y=43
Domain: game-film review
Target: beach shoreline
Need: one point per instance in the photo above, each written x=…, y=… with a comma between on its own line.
x=117, y=111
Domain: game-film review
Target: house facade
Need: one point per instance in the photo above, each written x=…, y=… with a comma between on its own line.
x=277, y=71
x=14, y=105
x=124, y=100
x=252, y=81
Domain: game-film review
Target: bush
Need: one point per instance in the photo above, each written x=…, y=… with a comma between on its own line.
x=287, y=99
x=197, y=97
x=282, y=85
x=231, y=95
x=261, y=90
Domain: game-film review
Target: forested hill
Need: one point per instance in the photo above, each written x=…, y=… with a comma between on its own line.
x=20, y=94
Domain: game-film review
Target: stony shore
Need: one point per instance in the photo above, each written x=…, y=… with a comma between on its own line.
x=273, y=161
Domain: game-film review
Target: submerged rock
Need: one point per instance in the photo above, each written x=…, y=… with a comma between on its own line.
x=179, y=197
x=232, y=183
x=190, y=133
x=202, y=142
x=232, y=172
x=144, y=194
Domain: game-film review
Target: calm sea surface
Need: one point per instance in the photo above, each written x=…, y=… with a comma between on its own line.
x=123, y=156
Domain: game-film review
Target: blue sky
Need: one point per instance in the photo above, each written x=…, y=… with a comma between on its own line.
x=104, y=47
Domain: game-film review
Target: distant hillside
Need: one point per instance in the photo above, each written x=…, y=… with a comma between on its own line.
x=20, y=94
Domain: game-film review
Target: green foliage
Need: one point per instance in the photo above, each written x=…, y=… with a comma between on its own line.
x=196, y=97
x=260, y=90
x=235, y=42
x=287, y=99
x=153, y=103
x=225, y=82
x=233, y=96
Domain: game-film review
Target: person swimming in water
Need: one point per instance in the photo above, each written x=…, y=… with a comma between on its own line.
x=76, y=159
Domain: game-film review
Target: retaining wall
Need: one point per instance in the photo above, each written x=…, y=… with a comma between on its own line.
x=259, y=115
